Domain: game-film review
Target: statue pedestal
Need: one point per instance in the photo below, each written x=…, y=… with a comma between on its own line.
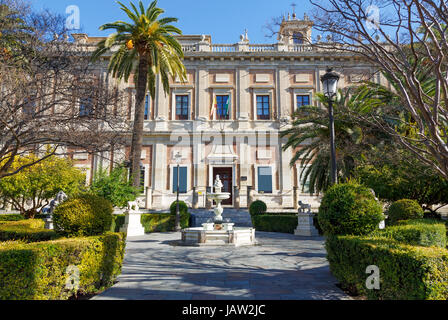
x=132, y=225
x=306, y=228
x=49, y=223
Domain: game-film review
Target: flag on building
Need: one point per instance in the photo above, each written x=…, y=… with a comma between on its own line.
x=227, y=107
x=214, y=106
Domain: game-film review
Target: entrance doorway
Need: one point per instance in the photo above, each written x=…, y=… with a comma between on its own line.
x=225, y=174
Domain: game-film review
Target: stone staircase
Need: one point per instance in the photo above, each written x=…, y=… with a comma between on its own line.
x=240, y=217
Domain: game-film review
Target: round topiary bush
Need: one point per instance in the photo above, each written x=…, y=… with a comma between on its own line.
x=349, y=208
x=405, y=209
x=83, y=215
x=257, y=207
x=183, y=208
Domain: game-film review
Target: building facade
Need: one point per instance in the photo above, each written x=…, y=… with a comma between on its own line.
x=226, y=119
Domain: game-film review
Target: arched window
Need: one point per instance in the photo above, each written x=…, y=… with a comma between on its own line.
x=297, y=38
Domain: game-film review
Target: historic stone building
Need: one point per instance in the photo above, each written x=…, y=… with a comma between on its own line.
x=226, y=119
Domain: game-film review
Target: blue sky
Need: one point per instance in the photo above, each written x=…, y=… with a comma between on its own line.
x=223, y=20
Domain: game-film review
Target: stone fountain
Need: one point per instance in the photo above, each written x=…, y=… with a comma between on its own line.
x=218, y=233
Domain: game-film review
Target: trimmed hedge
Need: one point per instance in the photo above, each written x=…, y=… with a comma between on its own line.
x=406, y=272
x=257, y=207
x=157, y=222
x=26, y=230
x=183, y=208
x=38, y=271
x=349, y=208
x=84, y=215
x=11, y=217
x=404, y=209
x=425, y=233
x=275, y=223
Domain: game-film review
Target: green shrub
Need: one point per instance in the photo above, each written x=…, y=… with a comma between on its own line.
x=38, y=271
x=406, y=272
x=183, y=208
x=277, y=223
x=84, y=215
x=31, y=230
x=257, y=207
x=425, y=233
x=11, y=217
x=349, y=209
x=404, y=209
x=157, y=222
x=114, y=186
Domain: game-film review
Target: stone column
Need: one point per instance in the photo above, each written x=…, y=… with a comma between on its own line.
x=148, y=198
x=287, y=176
x=296, y=197
x=203, y=98
x=244, y=98
x=284, y=94
x=236, y=193
x=162, y=107
x=200, y=174
x=160, y=174
x=195, y=198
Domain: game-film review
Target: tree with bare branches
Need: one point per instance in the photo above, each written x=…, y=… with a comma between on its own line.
x=52, y=97
x=406, y=40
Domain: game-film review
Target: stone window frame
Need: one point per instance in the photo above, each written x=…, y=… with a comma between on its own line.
x=263, y=92
x=302, y=92
x=174, y=165
x=273, y=172
x=223, y=92
x=181, y=92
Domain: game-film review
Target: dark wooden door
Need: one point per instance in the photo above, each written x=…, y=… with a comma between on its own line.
x=225, y=174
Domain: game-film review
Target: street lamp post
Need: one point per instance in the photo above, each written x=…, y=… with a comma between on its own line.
x=178, y=158
x=330, y=84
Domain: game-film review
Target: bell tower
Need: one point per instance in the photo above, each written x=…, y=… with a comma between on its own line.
x=295, y=31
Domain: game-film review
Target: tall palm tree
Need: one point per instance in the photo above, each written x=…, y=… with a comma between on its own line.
x=146, y=47
x=310, y=137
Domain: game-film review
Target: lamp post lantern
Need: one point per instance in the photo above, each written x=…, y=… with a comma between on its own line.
x=178, y=158
x=330, y=84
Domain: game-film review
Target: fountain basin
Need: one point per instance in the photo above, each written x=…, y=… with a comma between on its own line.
x=227, y=236
x=219, y=196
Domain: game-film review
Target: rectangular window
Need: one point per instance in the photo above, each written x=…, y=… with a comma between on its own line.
x=182, y=179
x=263, y=110
x=147, y=107
x=29, y=107
x=304, y=184
x=303, y=100
x=265, y=179
x=182, y=103
x=223, y=110
x=85, y=107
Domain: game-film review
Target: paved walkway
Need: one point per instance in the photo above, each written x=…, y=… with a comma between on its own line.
x=281, y=267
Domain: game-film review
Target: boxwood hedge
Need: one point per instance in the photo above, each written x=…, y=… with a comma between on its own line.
x=275, y=223
x=31, y=230
x=406, y=272
x=41, y=271
x=422, y=232
x=157, y=222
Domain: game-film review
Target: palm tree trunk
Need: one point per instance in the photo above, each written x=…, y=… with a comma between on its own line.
x=137, y=133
